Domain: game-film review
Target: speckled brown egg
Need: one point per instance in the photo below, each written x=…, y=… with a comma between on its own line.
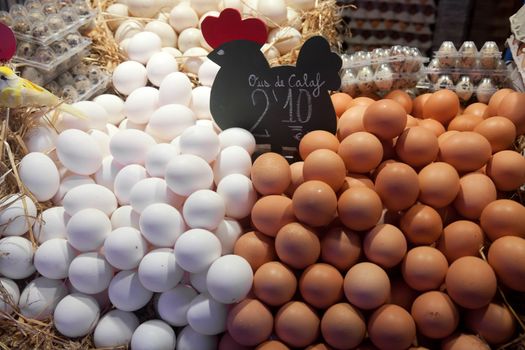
x=471, y=282
x=499, y=131
x=228, y=343
x=249, y=322
x=274, y=283
x=340, y=247
x=466, y=151
x=465, y=122
x=317, y=139
x=270, y=174
x=359, y=208
x=391, y=327
x=442, y=105
x=314, y=203
x=433, y=125
x=461, y=238
x=507, y=258
x=296, y=170
x=356, y=180
x=385, y=245
x=270, y=213
x=494, y=102
x=463, y=342
x=321, y=285
x=351, y=121
x=343, y=326
x=424, y=268
x=401, y=294
x=439, y=184
x=367, y=286
x=421, y=224
x=507, y=170
x=361, y=152
x=256, y=248
x=512, y=106
x=503, y=217
x=297, y=245
x=494, y=322
x=435, y=315
x=325, y=165
x=385, y=118
x=341, y=102
x=402, y=98
x=476, y=191
x=476, y=108
x=272, y=345
x=417, y=105
x=397, y=186
x=297, y=324
x=417, y=146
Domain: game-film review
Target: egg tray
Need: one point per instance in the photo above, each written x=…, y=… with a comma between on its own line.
x=481, y=95
x=499, y=76
x=399, y=81
x=355, y=65
x=96, y=89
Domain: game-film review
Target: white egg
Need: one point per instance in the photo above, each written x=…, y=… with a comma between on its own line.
x=158, y=270
x=167, y=35
x=172, y=305
x=78, y=152
x=87, y=229
x=125, y=179
x=236, y=4
x=97, y=115
x=150, y=191
x=129, y=76
x=106, y=174
x=17, y=213
x=228, y=231
x=16, y=257
x=143, y=8
x=187, y=173
x=176, y=143
x=204, y=209
x=127, y=293
x=207, y=72
x=124, y=216
x=124, y=247
x=68, y=182
x=40, y=139
x=142, y=46
x=175, y=89
x=173, y=52
x=169, y=121
x=161, y=224
x=273, y=12
x=128, y=124
x=123, y=45
x=198, y=281
x=200, y=102
x=153, y=334
x=189, y=339
x=188, y=38
x=302, y=5
x=193, y=59
x=127, y=29
x=238, y=194
x=102, y=139
x=158, y=157
x=90, y=273
x=76, y=315
x=10, y=300
x=203, y=6
x=207, y=123
x=116, y=13
x=236, y=285
x=115, y=329
x=159, y=66
x=284, y=39
x=183, y=16
x=197, y=249
x=237, y=137
x=206, y=315
x=40, y=296
x=113, y=105
x=52, y=258
x=270, y=52
x=89, y=196
x=111, y=129
x=200, y=141
x=232, y=160
x=130, y=146
x=102, y=298
x=141, y=104
x=51, y=224
x=293, y=18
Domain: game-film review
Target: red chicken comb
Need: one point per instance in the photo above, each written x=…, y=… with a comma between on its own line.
x=230, y=26
x=7, y=44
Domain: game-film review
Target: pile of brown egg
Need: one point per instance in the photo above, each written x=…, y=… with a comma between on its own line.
x=377, y=239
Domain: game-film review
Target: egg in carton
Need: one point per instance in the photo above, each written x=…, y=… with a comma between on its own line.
x=384, y=77
x=18, y=10
x=33, y=5
x=447, y=55
x=6, y=19
x=489, y=55
x=349, y=82
x=468, y=53
x=365, y=79
x=464, y=88
x=485, y=90
x=444, y=82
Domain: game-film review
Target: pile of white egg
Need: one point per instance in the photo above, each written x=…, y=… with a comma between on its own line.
x=147, y=197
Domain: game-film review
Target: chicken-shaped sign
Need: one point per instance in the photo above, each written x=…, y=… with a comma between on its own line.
x=278, y=105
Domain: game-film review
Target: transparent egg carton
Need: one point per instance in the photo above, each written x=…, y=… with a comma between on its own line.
x=399, y=58
x=464, y=88
x=468, y=56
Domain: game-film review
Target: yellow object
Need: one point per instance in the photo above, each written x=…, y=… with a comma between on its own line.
x=18, y=92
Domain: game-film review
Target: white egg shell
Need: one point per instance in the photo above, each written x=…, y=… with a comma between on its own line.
x=90, y=273
x=14, y=219
x=129, y=76
x=175, y=89
x=197, y=249
x=130, y=146
x=97, y=115
x=173, y=305
x=115, y=329
x=169, y=121
x=204, y=209
x=158, y=157
x=270, y=52
x=51, y=224
x=40, y=296
x=167, y=35
x=143, y=8
x=52, y=258
x=76, y=315
x=228, y=231
x=123, y=45
x=150, y=191
x=208, y=124
x=236, y=4
x=193, y=59
x=40, y=139
x=78, y=152
x=102, y=139
x=183, y=16
x=187, y=173
x=207, y=72
x=158, y=270
x=141, y=103
x=206, y=315
x=159, y=66
x=238, y=194
x=176, y=143
x=87, y=229
x=237, y=137
x=200, y=141
x=128, y=124
x=125, y=179
x=16, y=257
x=68, y=182
x=302, y=5
x=236, y=285
x=124, y=247
x=127, y=29
x=273, y=12
x=10, y=299
x=161, y=224
x=106, y=174
x=293, y=18
x=89, y=196
x=142, y=46
x=102, y=298
x=113, y=105
x=40, y=175
x=173, y=52
x=116, y=13
x=284, y=39
x=232, y=160
x=127, y=293
x=189, y=339
x=111, y=129
x=153, y=334
x=200, y=102
x=124, y=216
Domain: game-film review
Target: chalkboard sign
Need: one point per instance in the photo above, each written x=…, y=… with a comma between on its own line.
x=279, y=105
x=7, y=43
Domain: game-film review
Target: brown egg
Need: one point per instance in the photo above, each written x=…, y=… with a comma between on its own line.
x=325, y=165
x=463, y=342
x=359, y=208
x=397, y=186
x=476, y=191
x=341, y=102
x=356, y=180
x=296, y=170
x=297, y=245
x=296, y=324
x=411, y=121
x=343, y=326
x=503, y=217
x=272, y=345
x=361, y=101
x=466, y=151
x=433, y=125
x=351, y=121
x=424, y=268
x=465, y=122
x=439, y=184
x=461, y=238
x=385, y=245
x=391, y=327
x=421, y=224
x=321, y=285
x=476, y=108
x=366, y=286
x=446, y=135
x=341, y=248
x=493, y=322
x=318, y=139
x=228, y=343
x=401, y=294
x=361, y=152
x=256, y=248
x=442, y=106
x=402, y=98
x=507, y=170
x=417, y=146
x=385, y=118
x=250, y=322
x=417, y=105
x=499, y=131
x=270, y=213
x=270, y=174
x=314, y=203
x=507, y=258
x=435, y=315
x=512, y=106
x=471, y=282
x=494, y=102
x=274, y=283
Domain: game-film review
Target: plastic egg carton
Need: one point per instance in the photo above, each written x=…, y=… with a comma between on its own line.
x=468, y=56
x=464, y=88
